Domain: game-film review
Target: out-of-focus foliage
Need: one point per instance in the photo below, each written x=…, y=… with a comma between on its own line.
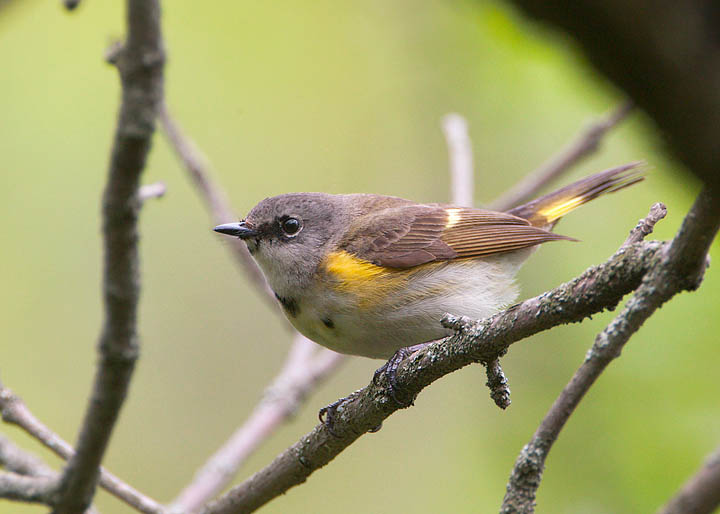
x=337, y=97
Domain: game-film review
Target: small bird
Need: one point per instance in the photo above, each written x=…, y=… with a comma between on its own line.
x=366, y=274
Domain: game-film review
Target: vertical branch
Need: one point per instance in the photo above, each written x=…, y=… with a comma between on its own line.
x=140, y=64
x=460, y=155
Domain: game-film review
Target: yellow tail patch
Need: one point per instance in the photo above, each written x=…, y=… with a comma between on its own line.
x=558, y=210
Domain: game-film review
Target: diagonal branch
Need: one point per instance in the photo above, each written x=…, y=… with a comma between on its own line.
x=599, y=288
x=586, y=143
x=527, y=473
x=140, y=64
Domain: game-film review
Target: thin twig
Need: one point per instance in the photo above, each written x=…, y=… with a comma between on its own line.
x=14, y=411
x=586, y=143
x=460, y=158
x=701, y=493
x=646, y=225
x=37, y=489
x=599, y=288
x=140, y=65
x=498, y=384
x=17, y=460
x=678, y=269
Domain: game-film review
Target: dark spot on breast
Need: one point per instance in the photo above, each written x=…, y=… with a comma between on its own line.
x=328, y=322
x=289, y=305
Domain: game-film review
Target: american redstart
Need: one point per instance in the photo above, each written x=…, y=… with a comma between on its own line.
x=367, y=274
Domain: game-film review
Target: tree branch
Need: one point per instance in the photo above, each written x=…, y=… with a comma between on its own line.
x=140, y=64
x=701, y=493
x=599, y=288
x=585, y=144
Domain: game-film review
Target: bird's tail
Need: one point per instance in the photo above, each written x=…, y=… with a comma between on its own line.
x=547, y=210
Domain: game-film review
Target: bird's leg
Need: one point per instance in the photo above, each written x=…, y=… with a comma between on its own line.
x=389, y=369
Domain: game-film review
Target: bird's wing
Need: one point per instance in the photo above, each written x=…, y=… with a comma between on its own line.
x=410, y=235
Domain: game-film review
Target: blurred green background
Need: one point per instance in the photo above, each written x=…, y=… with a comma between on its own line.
x=336, y=97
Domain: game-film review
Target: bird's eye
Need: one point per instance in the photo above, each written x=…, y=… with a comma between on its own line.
x=291, y=226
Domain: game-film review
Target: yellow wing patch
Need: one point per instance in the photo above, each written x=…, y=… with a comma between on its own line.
x=453, y=217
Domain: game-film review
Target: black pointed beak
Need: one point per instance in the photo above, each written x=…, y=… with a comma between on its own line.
x=240, y=230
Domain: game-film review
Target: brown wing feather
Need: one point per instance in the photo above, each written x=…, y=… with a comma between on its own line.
x=413, y=234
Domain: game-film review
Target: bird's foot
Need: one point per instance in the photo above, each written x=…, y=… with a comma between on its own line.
x=389, y=371
x=328, y=414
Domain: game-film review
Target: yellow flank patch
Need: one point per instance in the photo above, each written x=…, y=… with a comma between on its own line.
x=558, y=210
x=350, y=269
x=370, y=283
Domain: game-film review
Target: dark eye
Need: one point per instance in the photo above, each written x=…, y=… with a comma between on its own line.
x=291, y=226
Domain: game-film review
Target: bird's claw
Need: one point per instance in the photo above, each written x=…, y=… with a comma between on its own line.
x=389, y=370
x=327, y=414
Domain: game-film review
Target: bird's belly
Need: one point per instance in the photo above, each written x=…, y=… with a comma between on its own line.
x=378, y=324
